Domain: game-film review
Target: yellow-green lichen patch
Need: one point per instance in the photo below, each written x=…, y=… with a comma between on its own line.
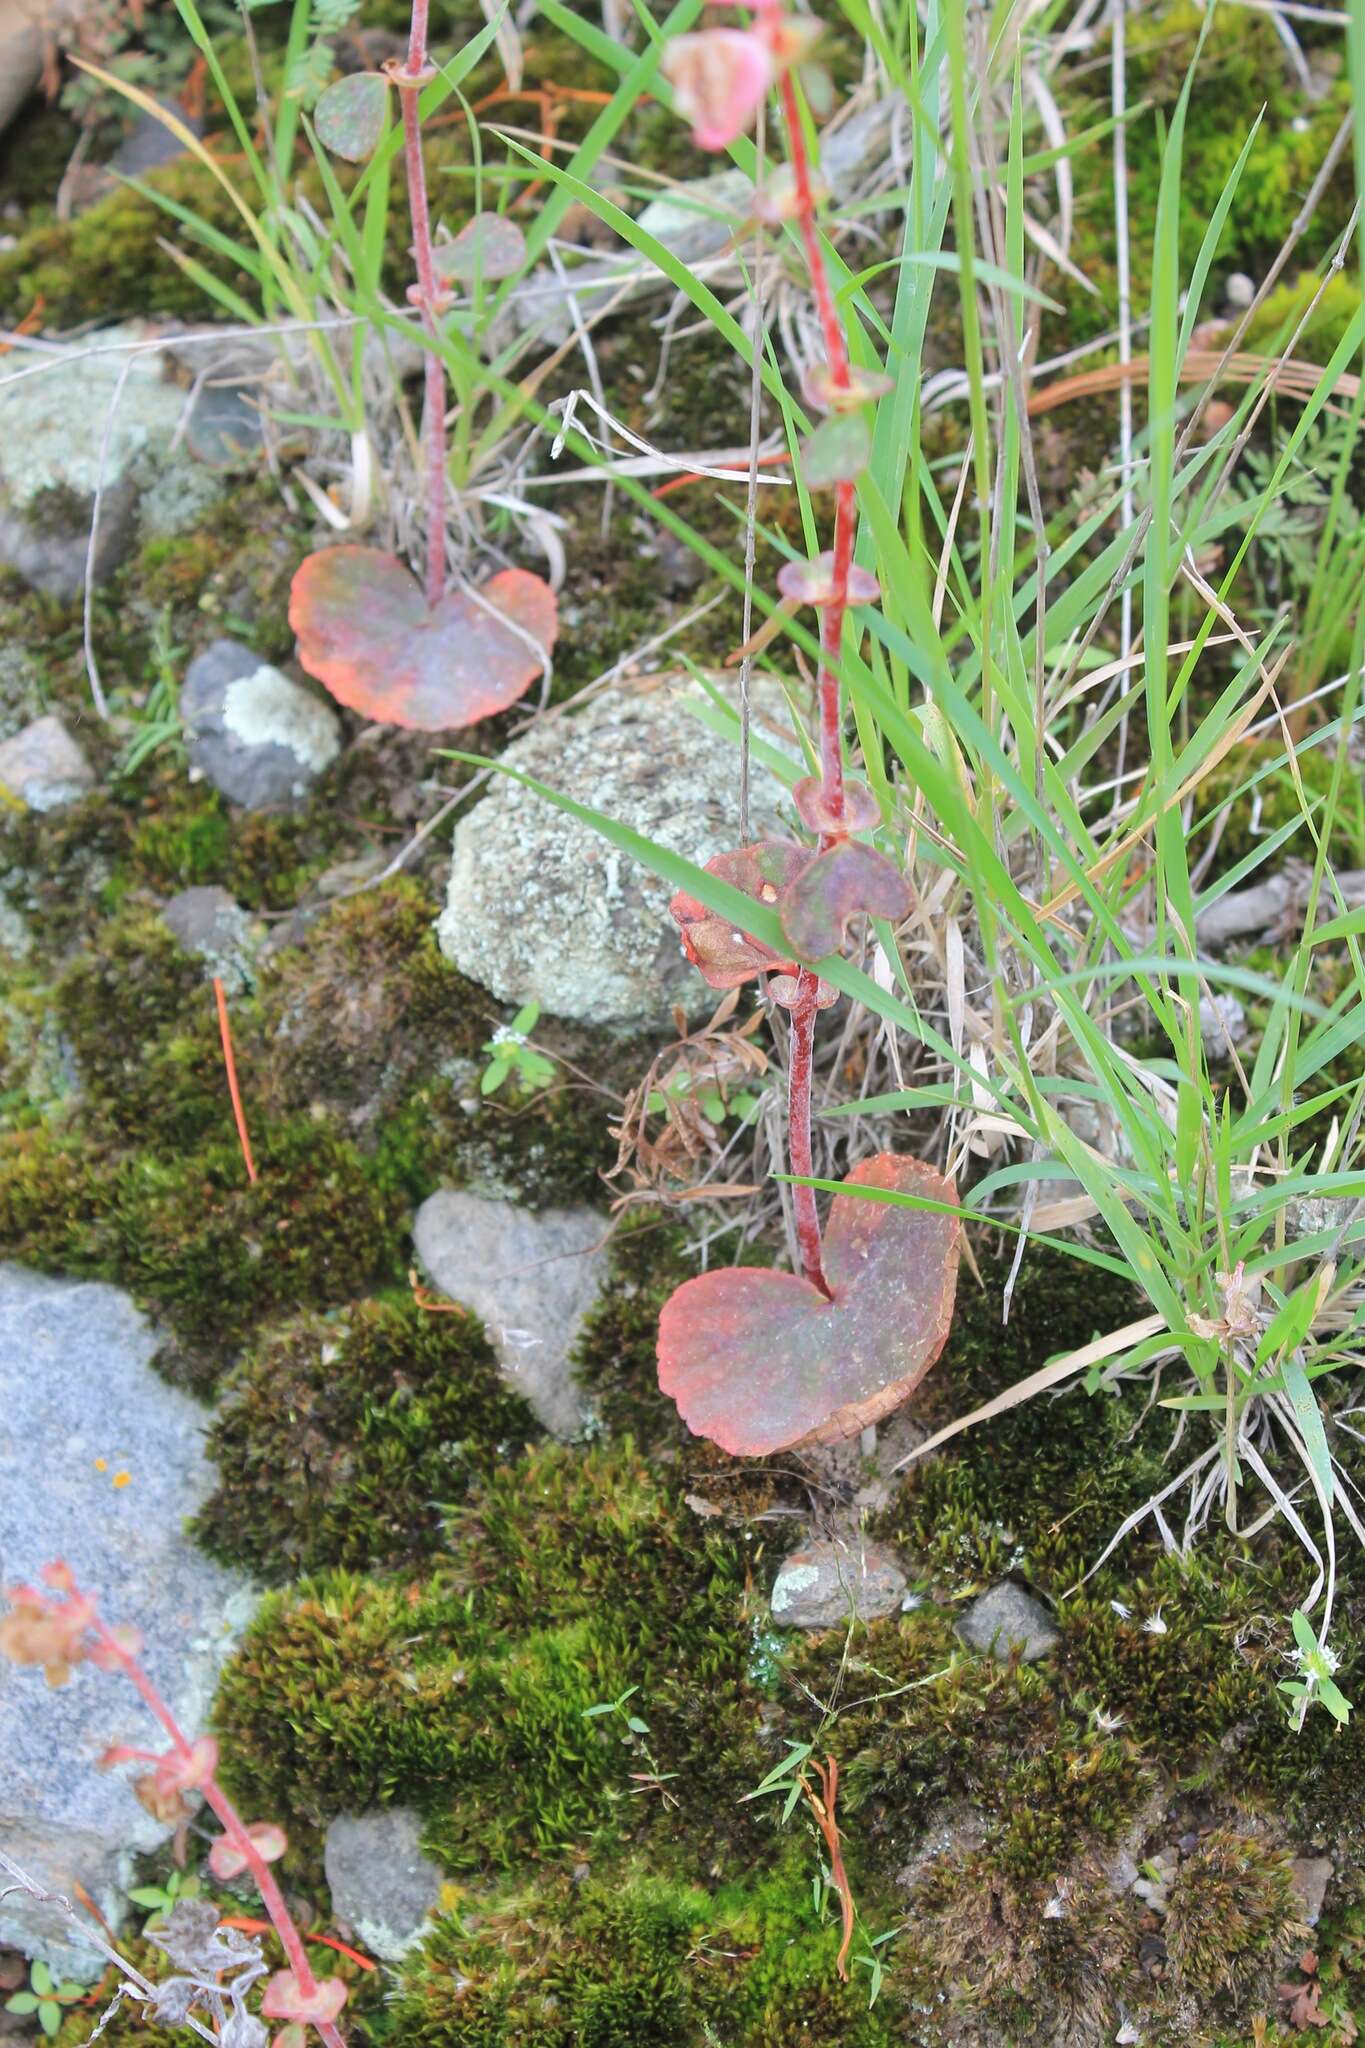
x=341, y=1438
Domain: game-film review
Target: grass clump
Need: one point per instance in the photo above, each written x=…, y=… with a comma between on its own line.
x=341, y=1437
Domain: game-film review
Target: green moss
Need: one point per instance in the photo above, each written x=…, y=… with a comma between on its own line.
x=567, y=1579
x=342, y=1437
x=215, y=1255
x=140, y=1019
x=366, y=998
x=1012, y=1496
x=1325, y=328
x=1233, y=1911
x=52, y=1204
x=1252, y=795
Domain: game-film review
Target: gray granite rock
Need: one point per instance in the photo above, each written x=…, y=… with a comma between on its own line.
x=209, y=922
x=261, y=738
x=1222, y=1023
x=541, y=905
x=52, y=437
x=1006, y=1618
x=44, y=767
x=531, y=1278
x=1312, y=1875
x=382, y=1884
x=826, y=1583
x=80, y=1408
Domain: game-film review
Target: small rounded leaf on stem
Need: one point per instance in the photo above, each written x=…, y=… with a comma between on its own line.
x=789, y=990
x=824, y=392
x=814, y=583
x=227, y=1860
x=838, y=884
x=725, y=955
x=285, y=2000
x=350, y=115
x=859, y=812
x=837, y=452
x=720, y=78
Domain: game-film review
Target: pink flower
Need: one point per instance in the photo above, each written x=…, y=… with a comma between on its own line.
x=720, y=77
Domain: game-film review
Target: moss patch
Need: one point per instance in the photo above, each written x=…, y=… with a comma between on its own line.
x=343, y=1437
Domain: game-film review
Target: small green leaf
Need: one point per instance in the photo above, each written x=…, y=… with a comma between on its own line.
x=22, y=2001
x=50, y=2018
x=494, y=1074
x=1303, y=1632
x=636, y=1725
x=350, y=115
x=602, y=1707
x=41, y=1977
x=838, y=451
x=149, y=1895
x=712, y=1104
x=655, y=1103
x=526, y=1019
x=1335, y=1701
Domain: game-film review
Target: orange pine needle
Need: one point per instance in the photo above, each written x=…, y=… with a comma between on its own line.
x=225, y=1033
x=246, y=1925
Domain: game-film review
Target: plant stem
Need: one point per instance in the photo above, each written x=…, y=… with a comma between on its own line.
x=803, y=1014
x=429, y=295
x=804, y=1009
x=272, y=1898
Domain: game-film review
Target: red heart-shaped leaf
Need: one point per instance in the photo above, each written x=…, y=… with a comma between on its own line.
x=365, y=631
x=726, y=955
x=760, y=1361
x=819, y=901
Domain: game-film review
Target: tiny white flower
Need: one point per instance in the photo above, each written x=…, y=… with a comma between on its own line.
x=1155, y=1625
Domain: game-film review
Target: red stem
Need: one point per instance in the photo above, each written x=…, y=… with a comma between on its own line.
x=803, y=1014
x=429, y=295
x=272, y=1898
x=804, y=1009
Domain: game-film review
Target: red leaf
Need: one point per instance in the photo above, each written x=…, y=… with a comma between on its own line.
x=285, y=2001
x=349, y=117
x=726, y=955
x=759, y=1361
x=818, y=902
x=227, y=1861
x=364, y=630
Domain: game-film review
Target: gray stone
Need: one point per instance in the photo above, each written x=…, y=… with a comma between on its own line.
x=1312, y=1875
x=1238, y=291
x=1008, y=1618
x=382, y=1884
x=827, y=1583
x=52, y=437
x=209, y=922
x=530, y=1278
x=541, y=905
x=44, y=767
x=261, y=738
x=80, y=1407
x=954, y=1829
x=1222, y=1024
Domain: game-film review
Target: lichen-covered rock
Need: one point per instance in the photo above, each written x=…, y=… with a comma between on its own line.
x=210, y=922
x=44, y=767
x=72, y=427
x=100, y=1463
x=381, y=1883
x=542, y=905
x=825, y=1584
x=261, y=738
x=532, y=1279
x=1008, y=1618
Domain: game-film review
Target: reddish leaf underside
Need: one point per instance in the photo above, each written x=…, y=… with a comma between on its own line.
x=349, y=117
x=759, y=1361
x=818, y=902
x=365, y=631
x=726, y=955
